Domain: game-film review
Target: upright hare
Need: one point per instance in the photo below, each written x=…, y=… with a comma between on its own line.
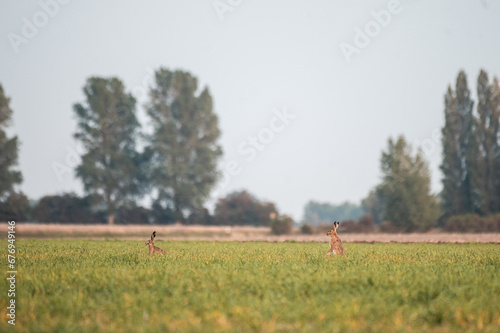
x=335, y=242
x=151, y=243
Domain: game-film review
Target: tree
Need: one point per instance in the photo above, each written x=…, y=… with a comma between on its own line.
x=374, y=204
x=16, y=207
x=485, y=177
x=457, y=140
x=65, y=208
x=8, y=151
x=317, y=213
x=184, y=142
x=134, y=214
x=201, y=217
x=162, y=215
x=406, y=188
x=107, y=127
x=495, y=107
x=242, y=208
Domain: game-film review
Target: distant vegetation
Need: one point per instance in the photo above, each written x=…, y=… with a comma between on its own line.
x=317, y=213
x=242, y=208
x=282, y=225
x=175, y=165
x=470, y=198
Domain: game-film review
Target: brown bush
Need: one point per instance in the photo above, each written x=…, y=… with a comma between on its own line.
x=242, y=208
x=389, y=227
x=306, y=229
x=349, y=226
x=323, y=228
x=473, y=223
x=282, y=225
x=367, y=224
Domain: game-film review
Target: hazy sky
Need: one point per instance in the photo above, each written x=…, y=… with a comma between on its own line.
x=256, y=57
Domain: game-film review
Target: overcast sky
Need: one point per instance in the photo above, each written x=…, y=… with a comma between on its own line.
x=305, y=58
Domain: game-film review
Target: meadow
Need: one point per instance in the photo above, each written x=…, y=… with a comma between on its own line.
x=115, y=286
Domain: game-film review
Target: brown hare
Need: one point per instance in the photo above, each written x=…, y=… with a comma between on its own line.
x=151, y=243
x=335, y=242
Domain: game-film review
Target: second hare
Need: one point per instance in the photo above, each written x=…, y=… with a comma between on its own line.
x=151, y=243
x=335, y=242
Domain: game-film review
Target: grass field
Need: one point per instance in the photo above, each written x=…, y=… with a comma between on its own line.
x=81, y=285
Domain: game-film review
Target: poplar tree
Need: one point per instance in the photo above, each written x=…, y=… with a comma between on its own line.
x=485, y=164
x=458, y=142
x=495, y=123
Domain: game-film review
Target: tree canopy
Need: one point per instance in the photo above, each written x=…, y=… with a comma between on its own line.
x=108, y=128
x=184, y=144
x=471, y=148
x=409, y=204
x=242, y=208
x=9, y=176
x=317, y=213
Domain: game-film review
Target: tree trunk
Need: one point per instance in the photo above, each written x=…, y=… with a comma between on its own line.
x=111, y=219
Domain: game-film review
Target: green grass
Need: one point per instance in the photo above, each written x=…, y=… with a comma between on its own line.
x=77, y=285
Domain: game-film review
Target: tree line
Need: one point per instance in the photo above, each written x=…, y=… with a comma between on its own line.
x=176, y=165
x=470, y=198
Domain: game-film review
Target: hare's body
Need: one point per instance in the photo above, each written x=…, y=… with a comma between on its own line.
x=335, y=242
x=152, y=248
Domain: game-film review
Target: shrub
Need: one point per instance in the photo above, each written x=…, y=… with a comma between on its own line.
x=200, y=217
x=242, y=208
x=163, y=215
x=65, y=208
x=282, y=225
x=16, y=207
x=306, y=229
x=134, y=215
x=473, y=223
x=366, y=223
x=389, y=227
x=323, y=228
x=348, y=226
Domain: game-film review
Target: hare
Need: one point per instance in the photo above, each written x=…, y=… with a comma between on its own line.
x=335, y=242
x=151, y=243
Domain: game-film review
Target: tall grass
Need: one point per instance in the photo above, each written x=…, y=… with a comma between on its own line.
x=75, y=286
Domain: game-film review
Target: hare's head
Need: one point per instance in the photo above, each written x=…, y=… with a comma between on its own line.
x=334, y=229
x=152, y=240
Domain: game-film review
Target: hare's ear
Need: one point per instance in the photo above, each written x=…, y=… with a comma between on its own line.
x=153, y=235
